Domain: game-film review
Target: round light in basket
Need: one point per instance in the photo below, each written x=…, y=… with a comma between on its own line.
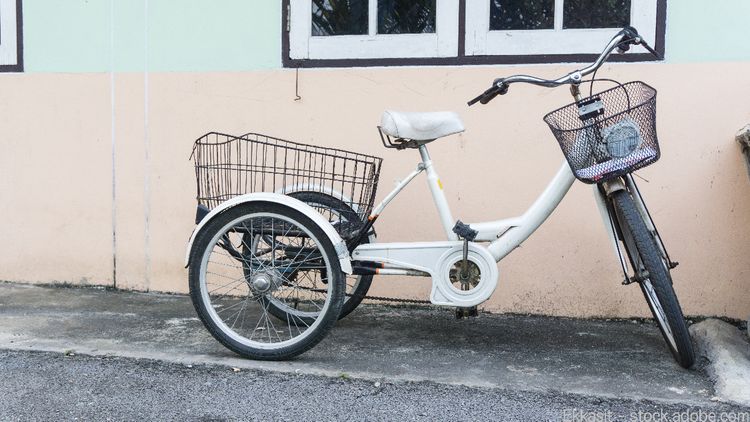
x=622, y=138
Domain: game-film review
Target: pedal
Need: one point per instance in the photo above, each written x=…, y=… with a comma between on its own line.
x=471, y=312
x=465, y=231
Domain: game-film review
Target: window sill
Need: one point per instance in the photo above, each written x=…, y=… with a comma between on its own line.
x=466, y=60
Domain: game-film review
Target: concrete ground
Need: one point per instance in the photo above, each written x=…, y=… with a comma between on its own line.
x=623, y=360
x=727, y=351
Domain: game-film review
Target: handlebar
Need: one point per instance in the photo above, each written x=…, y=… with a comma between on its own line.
x=621, y=41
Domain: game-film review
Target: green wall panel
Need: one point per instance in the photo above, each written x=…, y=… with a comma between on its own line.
x=66, y=36
x=128, y=35
x=237, y=35
x=707, y=30
x=183, y=35
x=203, y=35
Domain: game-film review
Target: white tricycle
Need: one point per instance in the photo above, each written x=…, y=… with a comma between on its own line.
x=284, y=244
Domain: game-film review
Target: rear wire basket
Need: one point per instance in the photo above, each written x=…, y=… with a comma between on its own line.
x=227, y=166
x=608, y=134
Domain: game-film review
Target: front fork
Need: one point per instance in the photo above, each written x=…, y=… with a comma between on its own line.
x=602, y=193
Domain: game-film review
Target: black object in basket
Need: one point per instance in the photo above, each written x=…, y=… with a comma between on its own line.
x=609, y=134
x=227, y=166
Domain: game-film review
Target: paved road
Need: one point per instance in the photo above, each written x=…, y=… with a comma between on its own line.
x=53, y=386
x=607, y=359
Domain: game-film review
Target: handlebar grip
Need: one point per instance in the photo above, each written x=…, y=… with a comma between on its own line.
x=489, y=97
x=490, y=94
x=476, y=100
x=482, y=96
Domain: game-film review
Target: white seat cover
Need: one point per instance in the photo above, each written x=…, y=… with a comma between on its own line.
x=420, y=126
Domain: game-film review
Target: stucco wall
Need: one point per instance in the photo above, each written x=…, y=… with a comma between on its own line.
x=62, y=171
x=97, y=134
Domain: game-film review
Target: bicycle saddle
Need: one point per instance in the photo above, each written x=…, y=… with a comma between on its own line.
x=420, y=126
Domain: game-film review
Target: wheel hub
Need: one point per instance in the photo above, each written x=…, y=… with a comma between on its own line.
x=266, y=281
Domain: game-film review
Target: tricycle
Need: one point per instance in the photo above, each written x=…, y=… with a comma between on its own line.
x=285, y=245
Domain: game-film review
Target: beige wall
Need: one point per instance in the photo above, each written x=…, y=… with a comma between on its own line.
x=58, y=157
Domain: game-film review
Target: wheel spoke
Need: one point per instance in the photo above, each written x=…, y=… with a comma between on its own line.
x=260, y=269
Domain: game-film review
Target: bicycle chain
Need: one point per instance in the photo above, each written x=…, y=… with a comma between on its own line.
x=394, y=299
x=375, y=298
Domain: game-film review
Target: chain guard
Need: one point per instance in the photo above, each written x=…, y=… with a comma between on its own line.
x=444, y=292
x=437, y=259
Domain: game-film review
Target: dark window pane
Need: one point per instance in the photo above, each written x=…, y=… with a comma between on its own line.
x=522, y=14
x=339, y=17
x=406, y=16
x=596, y=13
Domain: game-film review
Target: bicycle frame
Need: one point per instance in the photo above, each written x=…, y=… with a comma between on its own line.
x=438, y=258
x=504, y=235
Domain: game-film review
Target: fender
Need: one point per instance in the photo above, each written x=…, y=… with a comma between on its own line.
x=314, y=187
x=338, y=243
x=601, y=203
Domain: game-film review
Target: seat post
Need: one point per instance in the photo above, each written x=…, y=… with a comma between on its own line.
x=424, y=154
x=436, y=188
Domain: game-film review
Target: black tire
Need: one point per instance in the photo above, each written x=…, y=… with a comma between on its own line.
x=336, y=211
x=224, y=228
x=657, y=287
x=356, y=285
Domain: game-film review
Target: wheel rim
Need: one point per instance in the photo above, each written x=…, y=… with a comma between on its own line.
x=234, y=298
x=658, y=311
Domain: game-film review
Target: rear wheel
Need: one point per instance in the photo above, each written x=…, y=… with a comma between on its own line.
x=345, y=220
x=232, y=285
x=339, y=213
x=653, y=276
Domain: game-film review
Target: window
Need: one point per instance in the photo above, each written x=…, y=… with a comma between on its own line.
x=384, y=32
x=373, y=29
x=528, y=27
x=10, y=36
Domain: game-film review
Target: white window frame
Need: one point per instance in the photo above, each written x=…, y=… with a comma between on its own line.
x=302, y=45
x=8, y=33
x=480, y=41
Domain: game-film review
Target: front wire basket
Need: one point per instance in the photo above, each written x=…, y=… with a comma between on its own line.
x=227, y=166
x=608, y=134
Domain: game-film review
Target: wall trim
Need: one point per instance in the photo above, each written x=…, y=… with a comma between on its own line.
x=18, y=67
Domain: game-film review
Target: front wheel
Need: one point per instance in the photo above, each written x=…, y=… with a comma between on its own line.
x=653, y=276
x=232, y=284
